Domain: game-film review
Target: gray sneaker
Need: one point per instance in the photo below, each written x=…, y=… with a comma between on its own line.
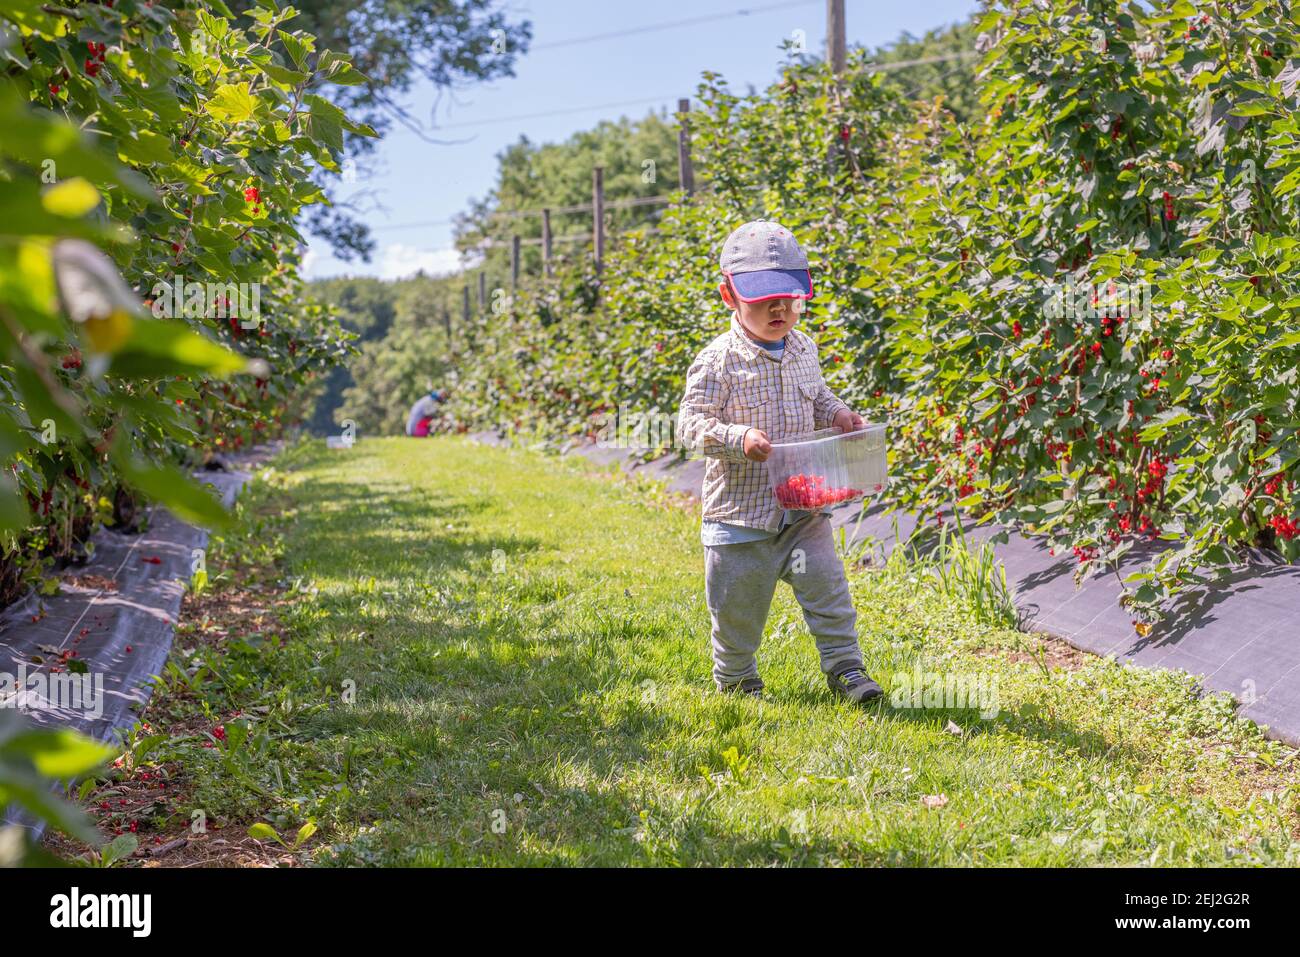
x=753, y=687
x=855, y=684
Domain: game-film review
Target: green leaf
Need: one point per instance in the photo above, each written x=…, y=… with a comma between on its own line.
x=263, y=832
x=1163, y=423
x=325, y=122
x=216, y=27
x=71, y=198
x=13, y=505
x=280, y=74
x=164, y=347
x=145, y=147
x=1285, y=341
x=1253, y=108
x=298, y=47
x=304, y=834
x=32, y=16
x=119, y=848
x=58, y=752
x=31, y=791
x=337, y=68
x=23, y=212
x=169, y=486
x=45, y=142
x=232, y=103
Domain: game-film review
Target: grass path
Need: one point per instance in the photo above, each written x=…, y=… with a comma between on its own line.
x=528, y=645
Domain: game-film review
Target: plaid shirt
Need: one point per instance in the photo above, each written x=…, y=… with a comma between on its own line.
x=735, y=385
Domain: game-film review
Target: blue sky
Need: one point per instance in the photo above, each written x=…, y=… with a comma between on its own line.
x=417, y=187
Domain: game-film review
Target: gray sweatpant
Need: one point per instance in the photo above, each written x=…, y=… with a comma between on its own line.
x=739, y=581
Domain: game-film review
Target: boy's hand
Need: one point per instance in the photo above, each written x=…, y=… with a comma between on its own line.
x=848, y=421
x=757, y=445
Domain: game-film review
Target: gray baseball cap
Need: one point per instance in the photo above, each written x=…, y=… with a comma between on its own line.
x=763, y=260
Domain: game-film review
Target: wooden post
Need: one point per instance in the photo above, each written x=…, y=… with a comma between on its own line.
x=482, y=290
x=514, y=263
x=546, y=242
x=598, y=215
x=446, y=323
x=464, y=309
x=685, y=173
x=836, y=44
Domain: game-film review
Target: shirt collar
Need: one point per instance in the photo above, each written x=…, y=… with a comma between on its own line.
x=752, y=349
x=741, y=340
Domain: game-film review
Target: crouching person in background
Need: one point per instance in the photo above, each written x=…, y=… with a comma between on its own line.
x=422, y=412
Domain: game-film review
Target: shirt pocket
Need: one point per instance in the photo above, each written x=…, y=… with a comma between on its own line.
x=804, y=415
x=754, y=402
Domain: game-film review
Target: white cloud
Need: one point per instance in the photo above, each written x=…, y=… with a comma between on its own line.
x=398, y=261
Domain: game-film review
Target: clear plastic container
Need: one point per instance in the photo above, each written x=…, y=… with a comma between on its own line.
x=827, y=467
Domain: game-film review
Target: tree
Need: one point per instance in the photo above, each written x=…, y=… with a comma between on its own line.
x=640, y=161
x=950, y=75
x=364, y=305
x=394, y=44
x=416, y=354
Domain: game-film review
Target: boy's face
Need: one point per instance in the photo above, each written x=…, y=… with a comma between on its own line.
x=769, y=320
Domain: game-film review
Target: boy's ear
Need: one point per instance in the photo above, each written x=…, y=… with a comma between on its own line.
x=724, y=290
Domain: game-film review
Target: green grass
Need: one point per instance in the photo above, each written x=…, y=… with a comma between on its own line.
x=529, y=646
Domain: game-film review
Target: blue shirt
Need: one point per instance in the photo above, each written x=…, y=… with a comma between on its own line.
x=724, y=533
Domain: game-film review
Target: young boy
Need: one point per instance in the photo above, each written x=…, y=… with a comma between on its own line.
x=757, y=383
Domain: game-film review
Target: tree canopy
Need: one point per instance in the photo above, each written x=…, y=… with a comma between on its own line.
x=395, y=46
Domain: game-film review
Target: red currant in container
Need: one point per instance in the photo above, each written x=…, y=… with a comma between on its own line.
x=825, y=468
